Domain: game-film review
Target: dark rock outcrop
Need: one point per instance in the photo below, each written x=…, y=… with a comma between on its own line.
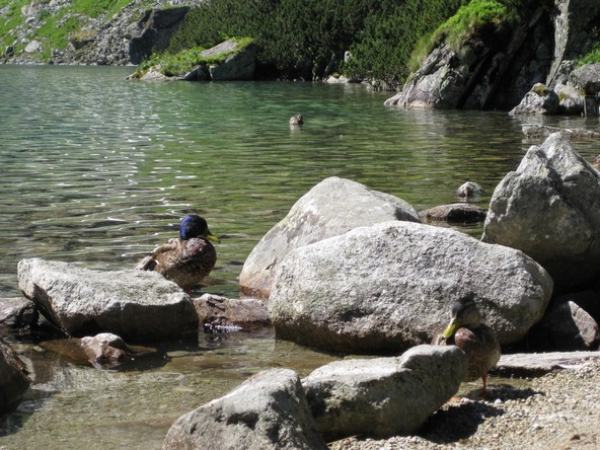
x=158, y=27
x=497, y=65
x=14, y=380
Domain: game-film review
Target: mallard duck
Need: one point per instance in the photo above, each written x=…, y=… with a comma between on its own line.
x=296, y=120
x=469, y=191
x=596, y=163
x=186, y=260
x=473, y=337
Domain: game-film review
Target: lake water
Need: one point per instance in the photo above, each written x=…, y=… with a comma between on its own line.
x=97, y=171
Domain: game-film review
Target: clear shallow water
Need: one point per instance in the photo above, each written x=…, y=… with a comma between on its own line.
x=97, y=170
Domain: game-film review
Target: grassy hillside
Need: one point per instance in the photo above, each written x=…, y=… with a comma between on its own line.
x=23, y=21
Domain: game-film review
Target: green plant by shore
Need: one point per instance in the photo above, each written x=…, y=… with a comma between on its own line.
x=179, y=63
x=592, y=57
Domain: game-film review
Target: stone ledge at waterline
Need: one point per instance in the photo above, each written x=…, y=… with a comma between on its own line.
x=267, y=411
x=372, y=397
x=389, y=287
x=136, y=305
x=383, y=397
x=550, y=209
x=238, y=64
x=332, y=207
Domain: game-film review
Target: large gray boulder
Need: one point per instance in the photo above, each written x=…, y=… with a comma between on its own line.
x=136, y=305
x=17, y=313
x=332, y=207
x=539, y=101
x=439, y=83
x=267, y=411
x=542, y=100
x=587, y=78
x=566, y=327
x=383, y=397
x=238, y=66
x=391, y=286
x=550, y=209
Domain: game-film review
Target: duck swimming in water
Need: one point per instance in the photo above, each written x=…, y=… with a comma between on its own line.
x=296, y=120
x=186, y=260
x=473, y=337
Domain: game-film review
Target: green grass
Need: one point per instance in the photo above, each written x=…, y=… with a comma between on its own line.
x=592, y=57
x=95, y=8
x=11, y=20
x=54, y=34
x=182, y=62
x=469, y=19
x=467, y=22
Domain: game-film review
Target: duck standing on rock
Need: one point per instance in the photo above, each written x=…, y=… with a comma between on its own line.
x=186, y=260
x=473, y=337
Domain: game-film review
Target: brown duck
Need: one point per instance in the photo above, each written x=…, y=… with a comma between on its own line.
x=473, y=337
x=186, y=260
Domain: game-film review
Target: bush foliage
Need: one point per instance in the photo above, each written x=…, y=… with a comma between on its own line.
x=302, y=39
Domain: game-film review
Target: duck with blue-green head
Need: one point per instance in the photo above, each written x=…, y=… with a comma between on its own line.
x=186, y=260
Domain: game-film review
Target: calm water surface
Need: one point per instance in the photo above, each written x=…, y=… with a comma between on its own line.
x=96, y=170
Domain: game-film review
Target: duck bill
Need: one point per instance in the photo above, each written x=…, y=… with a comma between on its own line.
x=213, y=237
x=451, y=329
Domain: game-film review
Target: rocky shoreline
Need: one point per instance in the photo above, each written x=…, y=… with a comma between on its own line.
x=556, y=410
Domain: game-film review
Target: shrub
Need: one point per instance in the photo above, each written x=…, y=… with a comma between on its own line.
x=592, y=57
x=390, y=35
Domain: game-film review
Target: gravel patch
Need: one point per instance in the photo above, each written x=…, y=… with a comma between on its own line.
x=560, y=410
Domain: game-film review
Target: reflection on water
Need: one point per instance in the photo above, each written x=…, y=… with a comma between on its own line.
x=96, y=170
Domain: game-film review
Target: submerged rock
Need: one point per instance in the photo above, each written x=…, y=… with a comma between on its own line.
x=105, y=350
x=267, y=411
x=385, y=396
x=332, y=207
x=454, y=213
x=389, y=287
x=218, y=313
x=14, y=379
x=541, y=132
